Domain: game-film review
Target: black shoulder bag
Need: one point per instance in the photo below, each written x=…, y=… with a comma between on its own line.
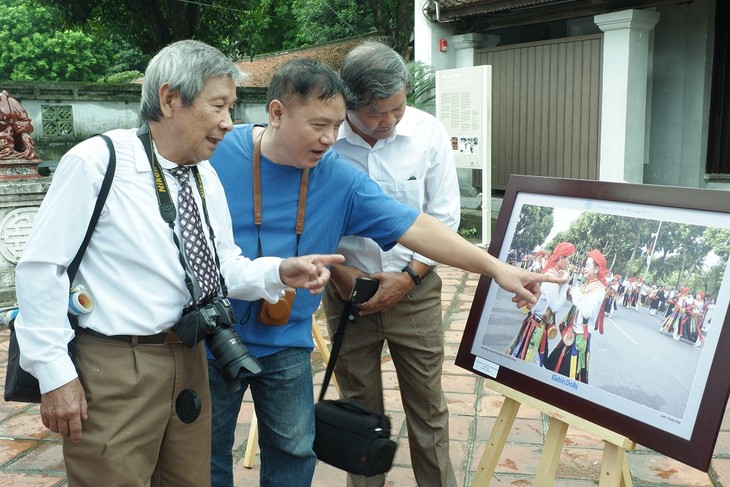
x=20, y=386
x=349, y=436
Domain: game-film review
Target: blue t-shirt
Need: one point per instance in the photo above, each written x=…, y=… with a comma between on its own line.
x=341, y=200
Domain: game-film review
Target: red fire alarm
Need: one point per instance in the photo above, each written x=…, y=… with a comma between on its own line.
x=443, y=45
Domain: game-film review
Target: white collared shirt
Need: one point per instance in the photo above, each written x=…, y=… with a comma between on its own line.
x=131, y=267
x=415, y=166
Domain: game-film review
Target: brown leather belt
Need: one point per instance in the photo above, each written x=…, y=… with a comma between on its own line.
x=168, y=337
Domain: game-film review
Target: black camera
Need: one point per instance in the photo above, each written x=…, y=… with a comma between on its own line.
x=364, y=289
x=213, y=322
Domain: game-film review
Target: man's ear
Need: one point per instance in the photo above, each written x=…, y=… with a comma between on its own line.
x=276, y=111
x=167, y=98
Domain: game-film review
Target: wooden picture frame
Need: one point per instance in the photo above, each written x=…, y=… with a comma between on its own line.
x=660, y=392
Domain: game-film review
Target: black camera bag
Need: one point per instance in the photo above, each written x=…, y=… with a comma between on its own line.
x=350, y=436
x=353, y=438
x=21, y=386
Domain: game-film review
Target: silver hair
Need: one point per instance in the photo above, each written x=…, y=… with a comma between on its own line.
x=185, y=66
x=373, y=71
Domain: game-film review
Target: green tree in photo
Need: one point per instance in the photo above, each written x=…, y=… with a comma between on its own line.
x=533, y=226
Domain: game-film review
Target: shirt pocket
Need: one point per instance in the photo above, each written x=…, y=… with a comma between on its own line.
x=410, y=192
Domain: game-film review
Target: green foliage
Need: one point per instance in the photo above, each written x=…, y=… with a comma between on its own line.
x=121, y=77
x=239, y=28
x=246, y=29
x=533, y=226
x=325, y=20
x=719, y=240
x=37, y=45
x=124, y=57
x=423, y=94
x=89, y=40
x=681, y=254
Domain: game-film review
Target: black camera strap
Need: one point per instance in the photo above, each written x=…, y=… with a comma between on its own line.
x=98, y=207
x=168, y=213
x=188, y=403
x=349, y=313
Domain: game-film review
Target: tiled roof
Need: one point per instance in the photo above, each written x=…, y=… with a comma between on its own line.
x=263, y=67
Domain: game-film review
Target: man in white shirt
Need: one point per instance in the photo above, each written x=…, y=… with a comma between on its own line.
x=409, y=153
x=130, y=366
x=306, y=109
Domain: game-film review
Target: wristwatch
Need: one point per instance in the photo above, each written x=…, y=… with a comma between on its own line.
x=413, y=274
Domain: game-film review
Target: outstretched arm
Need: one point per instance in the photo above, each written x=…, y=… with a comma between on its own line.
x=436, y=241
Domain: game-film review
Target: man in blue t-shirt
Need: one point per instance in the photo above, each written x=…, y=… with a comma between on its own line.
x=297, y=175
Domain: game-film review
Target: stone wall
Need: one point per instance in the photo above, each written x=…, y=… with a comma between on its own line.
x=66, y=113
x=62, y=115
x=19, y=202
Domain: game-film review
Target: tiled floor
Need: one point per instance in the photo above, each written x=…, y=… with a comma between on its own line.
x=31, y=456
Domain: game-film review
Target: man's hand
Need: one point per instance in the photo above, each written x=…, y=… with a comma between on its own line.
x=393, y=286
x=562, y=278
x=523, y=284
x=308, y=271
x=63, y=409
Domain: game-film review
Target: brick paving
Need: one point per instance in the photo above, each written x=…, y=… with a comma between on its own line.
x=30, y=455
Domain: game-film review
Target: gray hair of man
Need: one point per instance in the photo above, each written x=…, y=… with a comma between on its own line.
x=185, y=66
x=373, y=71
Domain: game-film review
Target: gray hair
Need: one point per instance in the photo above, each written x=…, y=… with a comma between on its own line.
x=373, y=71
x=185, y=66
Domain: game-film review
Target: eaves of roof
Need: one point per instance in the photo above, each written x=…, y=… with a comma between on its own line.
x=530, y=10
x=463, y=8
x=260, y=70
x=493, y=5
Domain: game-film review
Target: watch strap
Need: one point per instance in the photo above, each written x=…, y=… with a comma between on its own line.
x=414, y=275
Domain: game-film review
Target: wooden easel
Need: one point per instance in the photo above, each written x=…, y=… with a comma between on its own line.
x=253, y=432
x=614, y=467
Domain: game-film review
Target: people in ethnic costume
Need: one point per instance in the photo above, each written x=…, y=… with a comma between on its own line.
x=671, y=322
x=572, y=354
x=690, y=324
x=531, y=342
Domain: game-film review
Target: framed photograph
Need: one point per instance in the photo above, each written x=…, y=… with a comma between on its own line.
x=630, y=336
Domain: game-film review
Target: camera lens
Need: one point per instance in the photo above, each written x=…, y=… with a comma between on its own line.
x=231, y=355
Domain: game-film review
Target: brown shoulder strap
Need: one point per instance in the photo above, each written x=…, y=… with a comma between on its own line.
x=257, y=212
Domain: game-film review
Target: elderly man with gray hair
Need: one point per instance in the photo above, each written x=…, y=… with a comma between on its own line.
x=138, y=384
x=409, y=153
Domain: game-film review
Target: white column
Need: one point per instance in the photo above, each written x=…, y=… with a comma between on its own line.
x=464, y=46
x=426, y=34
x=624, y=93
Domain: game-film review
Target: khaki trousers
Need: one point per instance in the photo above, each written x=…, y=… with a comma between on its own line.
x=132, y=436
x=415, y=334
